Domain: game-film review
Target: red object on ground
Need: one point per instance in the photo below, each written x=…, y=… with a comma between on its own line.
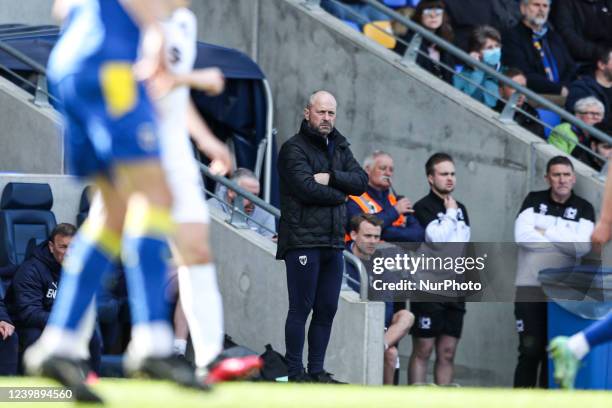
x=234, y=368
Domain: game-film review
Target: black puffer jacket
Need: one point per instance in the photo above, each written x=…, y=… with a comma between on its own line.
x=314, y=215
x=585, y=25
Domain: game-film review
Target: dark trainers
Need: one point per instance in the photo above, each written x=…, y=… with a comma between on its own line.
x=71, y=374
x=232, y=368
x=324, y=378
x=302, y=377
x=167, y=368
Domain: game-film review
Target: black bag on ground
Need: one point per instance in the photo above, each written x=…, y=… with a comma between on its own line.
x=275, y=365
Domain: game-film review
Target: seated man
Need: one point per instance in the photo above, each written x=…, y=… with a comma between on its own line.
x=597, y=84
x=566, y=136
x=535, y=48
x=399, y=225
x=259, y=220
x=34, y=287
x=9, y=344
x=365, y=235
x=520, y=117
x=600, y=147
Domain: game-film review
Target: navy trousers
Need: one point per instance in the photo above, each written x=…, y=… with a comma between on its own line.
x=314, y=278
x=9, y=355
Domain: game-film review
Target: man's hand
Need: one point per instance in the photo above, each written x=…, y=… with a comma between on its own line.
x=152, y=61
x=322, y=178
x=601, y=233
x=403, y=206
x=219, y=155
x=564, y=92
x=449, y=202
x=209, y=80
x=6, y=330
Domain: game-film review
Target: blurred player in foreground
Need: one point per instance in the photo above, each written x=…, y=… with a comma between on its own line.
x=567, y=352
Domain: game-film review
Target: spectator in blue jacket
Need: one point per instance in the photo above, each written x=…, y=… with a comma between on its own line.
x=9, y=344
x=399, y=224
x=484, y=46
x=34, y=287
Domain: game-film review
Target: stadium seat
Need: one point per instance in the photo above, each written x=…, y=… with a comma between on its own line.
x=380, y=31
x=25, y=213
x=550, y=118
x=352, y=25
x=396, y=3
x=83, y=206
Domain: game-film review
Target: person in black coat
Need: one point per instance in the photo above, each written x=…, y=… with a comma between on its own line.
x=538, y=50
x=317, y=172
x=34, y=287
x=9, y=343
x=584, y=25
x=597, y=84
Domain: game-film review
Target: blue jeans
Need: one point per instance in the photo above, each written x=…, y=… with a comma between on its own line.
x=357, y=13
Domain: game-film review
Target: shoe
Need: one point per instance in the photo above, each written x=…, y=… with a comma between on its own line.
x=165, y=368
x=302, y=377
x=565, y=362
x=232, y=368
x=324, y=378
x=68, y=372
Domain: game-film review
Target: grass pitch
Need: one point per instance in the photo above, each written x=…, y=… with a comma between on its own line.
x=152, y=394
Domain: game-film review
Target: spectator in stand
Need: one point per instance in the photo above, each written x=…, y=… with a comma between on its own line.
x=246, y=179
x=535, y=48
x=365, y=233
x=599, y=84
x=431, y=14
x=32, y=292
x=353, y=10
x=484, y=46
x=399, y=224
x=565, y=136
x=585, y=25
x=9, y=343
x=600, y=147
x=466, y=15
x=520, y=116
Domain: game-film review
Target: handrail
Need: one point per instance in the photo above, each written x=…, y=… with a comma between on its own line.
x=466, y=58
x=235, y=187
x=22, y=58
x=363, y=274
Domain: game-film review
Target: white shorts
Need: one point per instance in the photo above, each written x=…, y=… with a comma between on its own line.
x=185, y=183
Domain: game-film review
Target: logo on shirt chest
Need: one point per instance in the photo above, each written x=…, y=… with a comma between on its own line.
x=543, y=209
x=570, y=213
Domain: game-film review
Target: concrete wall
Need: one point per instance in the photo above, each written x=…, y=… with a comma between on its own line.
x=255, y=303
x=30, y=138
x=66, y=192
x=26, y=11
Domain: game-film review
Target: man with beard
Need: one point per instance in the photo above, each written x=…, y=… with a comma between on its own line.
x=317, y=172
x=438, y=324
x=537, y=50
x=598, y=84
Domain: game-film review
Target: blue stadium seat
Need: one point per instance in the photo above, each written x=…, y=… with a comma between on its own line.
x=397, y=3
x=352, y=25
x=25, y=213
x=550, y=118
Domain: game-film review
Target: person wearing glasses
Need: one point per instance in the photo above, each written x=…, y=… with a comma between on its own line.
x=566, y=136
x=597, y=84
x=431, y=14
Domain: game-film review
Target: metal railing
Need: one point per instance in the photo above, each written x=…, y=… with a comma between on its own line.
x=413, y=51
x=238, y=218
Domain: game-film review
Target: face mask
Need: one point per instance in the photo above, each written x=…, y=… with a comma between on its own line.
x=491, y=57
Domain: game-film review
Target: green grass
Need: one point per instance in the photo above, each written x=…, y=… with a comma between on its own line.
x=151, y=394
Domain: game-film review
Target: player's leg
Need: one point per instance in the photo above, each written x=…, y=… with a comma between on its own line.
x=424, y=332
x=422, y=347
x=445, y=356
x=390, y=359
x=531, y=327
x=400, y=324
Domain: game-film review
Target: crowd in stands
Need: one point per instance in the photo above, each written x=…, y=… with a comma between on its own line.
x=559, y=49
